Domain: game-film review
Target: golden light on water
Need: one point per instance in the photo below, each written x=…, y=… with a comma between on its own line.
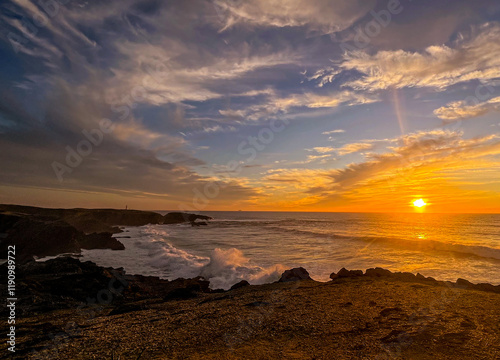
x=419, y=203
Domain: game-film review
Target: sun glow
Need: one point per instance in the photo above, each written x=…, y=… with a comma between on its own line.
x=419, y=203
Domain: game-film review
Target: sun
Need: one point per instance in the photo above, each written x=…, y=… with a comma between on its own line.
x=419, y=203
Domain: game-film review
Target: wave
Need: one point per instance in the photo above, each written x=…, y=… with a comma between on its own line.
x=419, y=245
x=286, y=226
x=223, y=267
x=433, y=245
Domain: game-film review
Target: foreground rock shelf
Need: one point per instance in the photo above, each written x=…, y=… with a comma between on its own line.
x=96, y=312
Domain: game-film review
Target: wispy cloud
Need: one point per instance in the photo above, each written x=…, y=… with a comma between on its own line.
x=322, y=149
x=338, y=131
x=475, y=57
x=355, y=147
x=460, y=110
x=323, y=15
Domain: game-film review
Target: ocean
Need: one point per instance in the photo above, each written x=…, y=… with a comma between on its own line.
x=259, y=246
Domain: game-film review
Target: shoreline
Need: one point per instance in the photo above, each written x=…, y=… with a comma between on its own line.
x=47, y=231
x=67, y=308
x=92, y=298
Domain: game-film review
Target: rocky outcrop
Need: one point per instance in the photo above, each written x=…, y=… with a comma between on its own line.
x=344, y=273
x=35, y=236
x=377, y=272
x=100, y=241
x=179, y=217
x=91, y=221
x=66, y=282
x=240, y=284
x=44, y=232
x=409, y=277
x=295, y=274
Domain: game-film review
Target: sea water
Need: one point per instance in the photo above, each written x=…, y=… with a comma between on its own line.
x=259, y=246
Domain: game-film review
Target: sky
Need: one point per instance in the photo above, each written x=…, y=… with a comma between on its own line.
x=259, y=105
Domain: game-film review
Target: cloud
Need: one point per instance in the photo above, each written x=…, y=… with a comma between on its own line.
x=436, y=162
x=355, y=147
x=218, y=128
x=326, y=16
x=475, y=57
x=132, y=161
x=338, y=131
x=274, y=104
x=323, y=150
x=461, y=110
x=417, y=151
x=164, y=79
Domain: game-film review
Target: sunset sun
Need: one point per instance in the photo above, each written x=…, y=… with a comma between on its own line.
x=419, y=203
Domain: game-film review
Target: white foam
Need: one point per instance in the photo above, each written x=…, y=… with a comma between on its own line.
x=148, y=252
x=227, y=267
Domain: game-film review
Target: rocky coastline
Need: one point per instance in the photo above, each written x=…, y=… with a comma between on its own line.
x=39, y=232
x=66, y=308
x=64, y=291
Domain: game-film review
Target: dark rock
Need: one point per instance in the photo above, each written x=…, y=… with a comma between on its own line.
x=101, y=241
x=405, y=276
x=179, y=217
x=344, y=273
x=462, y=283
x=377, y=272
x=199, y=223
x=44, y=232
x=186, y=288
x=240, y=284
x=34, y=237
x=372, y=303
x=295, y=274
x=487, y=287
x=88, y=220
x=419, y=276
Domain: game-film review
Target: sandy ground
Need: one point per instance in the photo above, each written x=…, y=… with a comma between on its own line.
x=356, y=318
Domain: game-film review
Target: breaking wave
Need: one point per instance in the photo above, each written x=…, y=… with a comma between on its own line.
x=223, y=267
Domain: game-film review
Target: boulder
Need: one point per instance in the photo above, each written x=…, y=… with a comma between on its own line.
x=377, y=272
x=344, y=273
x=462, y=283
x=240, y=284
x=295, y=274
x=186, y=288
